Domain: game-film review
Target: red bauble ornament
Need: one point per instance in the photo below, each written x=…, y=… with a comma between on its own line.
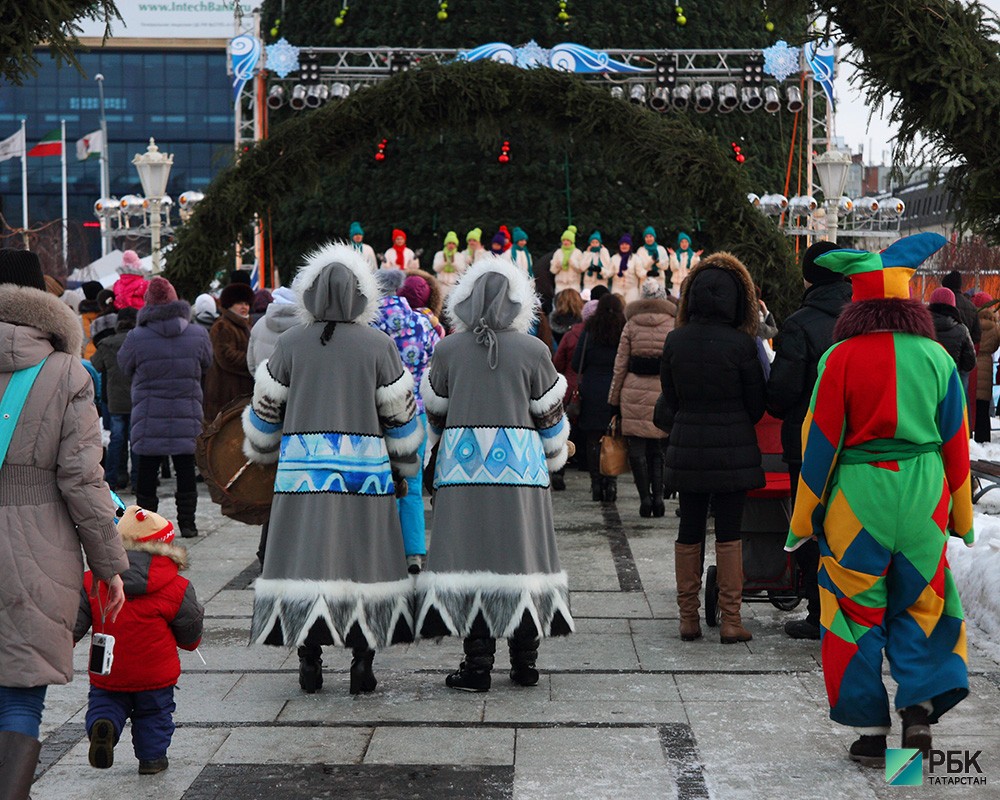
x=380, y=156
x=504, y=158
x=740, y=158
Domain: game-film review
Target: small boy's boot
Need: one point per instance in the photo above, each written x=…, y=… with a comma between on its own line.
x=18, y=759
x=153, y=766
x=102, y=744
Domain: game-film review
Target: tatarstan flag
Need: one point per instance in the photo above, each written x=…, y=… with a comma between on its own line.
x=50, y=145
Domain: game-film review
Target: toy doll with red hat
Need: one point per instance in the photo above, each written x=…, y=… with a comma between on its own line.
x=161, y=614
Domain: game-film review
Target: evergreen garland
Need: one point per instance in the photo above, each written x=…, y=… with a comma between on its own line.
x=481, y=99
x=29, y=24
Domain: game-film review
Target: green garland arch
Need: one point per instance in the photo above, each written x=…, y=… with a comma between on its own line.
x=478, y=97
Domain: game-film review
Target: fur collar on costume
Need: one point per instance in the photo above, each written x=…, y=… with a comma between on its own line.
x=33, y=308
x=177, y=309
x=651, y=306
x=175, y=553
x=730, y=263
x=520, y=289
x=884, y=315
x=337, y=253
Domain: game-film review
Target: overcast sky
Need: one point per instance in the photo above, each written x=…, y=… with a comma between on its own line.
x=852, y=113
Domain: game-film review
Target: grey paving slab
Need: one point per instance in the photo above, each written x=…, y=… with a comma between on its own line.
x=586, y=557
x=616, y=605
x=585, y=764
x=229, y=603
x=744, y=689
x=283, y=745
x=588, y=651
x=630, y=687
x=432, y=745
x=63, y=703
x=531, y=706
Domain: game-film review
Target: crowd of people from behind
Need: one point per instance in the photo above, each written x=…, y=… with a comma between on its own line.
x=468, y=381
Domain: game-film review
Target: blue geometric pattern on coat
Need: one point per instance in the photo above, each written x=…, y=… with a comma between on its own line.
x=341, y=463
x=491, y=456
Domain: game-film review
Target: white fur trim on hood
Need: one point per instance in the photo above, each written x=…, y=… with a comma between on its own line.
x=33, y=308
x=521, y=289
x=337, y=252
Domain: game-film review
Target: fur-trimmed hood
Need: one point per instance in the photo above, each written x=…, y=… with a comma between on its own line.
x=176, y=553
x=335, y=284
x=884, y=315
x=719, y=289
x=495, y=292
x=435, y=301
x=651, y=305
x=33, y=308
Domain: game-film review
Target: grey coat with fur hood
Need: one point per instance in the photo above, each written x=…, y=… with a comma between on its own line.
x=53, y=497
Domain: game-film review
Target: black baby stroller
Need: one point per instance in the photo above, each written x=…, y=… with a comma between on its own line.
x=770, y=575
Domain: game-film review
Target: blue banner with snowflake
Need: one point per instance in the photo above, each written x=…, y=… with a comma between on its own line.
x=822, y=61
x=244, y=54
x=780, y=60
x=282, y=57
x=567, y=57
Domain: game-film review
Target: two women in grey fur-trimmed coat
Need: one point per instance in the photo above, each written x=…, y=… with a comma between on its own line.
x=494, y=398
x=334, y=407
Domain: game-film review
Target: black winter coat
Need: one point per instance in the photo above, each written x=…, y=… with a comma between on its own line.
x=594, y=382
x=953, y=336
x=806, y=335
x=969, y=316
x=713, y=385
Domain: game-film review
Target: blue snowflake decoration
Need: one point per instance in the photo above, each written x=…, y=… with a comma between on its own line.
x=531, y=55
x=780, y=60
x=282, y=57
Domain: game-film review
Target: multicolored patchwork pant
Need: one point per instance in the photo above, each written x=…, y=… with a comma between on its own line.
x=885, y=584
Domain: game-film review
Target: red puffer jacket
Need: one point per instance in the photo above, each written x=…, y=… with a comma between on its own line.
x=161, y=613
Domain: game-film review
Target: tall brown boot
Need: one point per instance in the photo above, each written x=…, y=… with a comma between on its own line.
x=729, y=564
x=687, y=568
x=18, y=759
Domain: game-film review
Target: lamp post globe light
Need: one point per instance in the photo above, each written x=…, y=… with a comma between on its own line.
x=831, y=169
x=154, y=170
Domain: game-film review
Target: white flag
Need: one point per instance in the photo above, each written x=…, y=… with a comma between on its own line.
x=90, y=146
x=12, y=146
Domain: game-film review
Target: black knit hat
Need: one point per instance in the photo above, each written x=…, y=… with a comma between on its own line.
x=91, y=289
x=240, y=276
x=22, y=268
x=813, y=272
x=953, y=281
x=236, y=293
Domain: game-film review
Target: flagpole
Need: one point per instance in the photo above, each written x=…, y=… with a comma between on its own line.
x=105, y=232
x=65, y=210
x=24, y=182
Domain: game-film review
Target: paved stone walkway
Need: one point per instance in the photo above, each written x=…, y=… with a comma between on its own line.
x=623, y=709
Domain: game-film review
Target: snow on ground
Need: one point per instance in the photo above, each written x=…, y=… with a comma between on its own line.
x=977, y=569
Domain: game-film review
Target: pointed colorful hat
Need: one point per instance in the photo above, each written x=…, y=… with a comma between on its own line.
x=879, y=276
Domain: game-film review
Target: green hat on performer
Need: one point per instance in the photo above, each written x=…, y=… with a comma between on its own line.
x=569, y=233
x=451, y=237
x=475, y=235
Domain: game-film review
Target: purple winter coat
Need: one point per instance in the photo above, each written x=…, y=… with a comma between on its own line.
x=166, y=357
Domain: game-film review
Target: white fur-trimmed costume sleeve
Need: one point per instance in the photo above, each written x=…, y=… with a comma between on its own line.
x=397, y=413
x=547, y=411
x=436, y=406
x=262, y=419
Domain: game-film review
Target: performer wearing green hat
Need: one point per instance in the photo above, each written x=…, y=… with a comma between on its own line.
x=567, y=262
x=449, y=263
x=474, y=246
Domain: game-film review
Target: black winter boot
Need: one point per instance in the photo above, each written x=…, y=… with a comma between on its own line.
x=187, y=504
x=473, y=674
x=869, y=751
x=150, y=502
x=596, y=488
x=656, y=482
x=362, y=676
x=558, y=480
x=916, y=728
x=18, y=759
x=310, y=668
x=102, y=744
x=609, y=489
x=640, y=474
x=523, y=655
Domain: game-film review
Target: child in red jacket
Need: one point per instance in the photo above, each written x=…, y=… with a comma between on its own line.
x=161, y=614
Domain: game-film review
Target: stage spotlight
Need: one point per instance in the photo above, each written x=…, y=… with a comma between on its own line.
x=751, y=99
x=297, y=102
x=845, y=205
x=774, y=204
x=893, y=208
x=339, y=91
x=772, y=103
x=317, y=95
x=660, y=99
x=637, y=94
x=399, y=62
x=617, y=92
x=727, y=98
x=866, y=207
x=802, y=205
x=276, y=97
x=703, y=98
x=682, y=96
x=754, y=200
x=794, y=97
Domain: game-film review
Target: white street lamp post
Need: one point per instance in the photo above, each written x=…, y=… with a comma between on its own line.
x=154, y=170
x=832, y=167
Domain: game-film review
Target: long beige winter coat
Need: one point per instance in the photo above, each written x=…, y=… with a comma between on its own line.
x=53, y=497
x=988, y=345
x=647, y=323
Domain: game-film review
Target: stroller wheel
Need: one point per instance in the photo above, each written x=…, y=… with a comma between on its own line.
x=712, y=596
x=783, y=602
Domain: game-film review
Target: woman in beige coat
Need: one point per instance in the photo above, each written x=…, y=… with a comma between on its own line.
x=988, y=345
x=53, y=499
x=635, y=388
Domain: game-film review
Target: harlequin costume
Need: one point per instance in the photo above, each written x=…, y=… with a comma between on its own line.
x=885, y=479
x=495, y=400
